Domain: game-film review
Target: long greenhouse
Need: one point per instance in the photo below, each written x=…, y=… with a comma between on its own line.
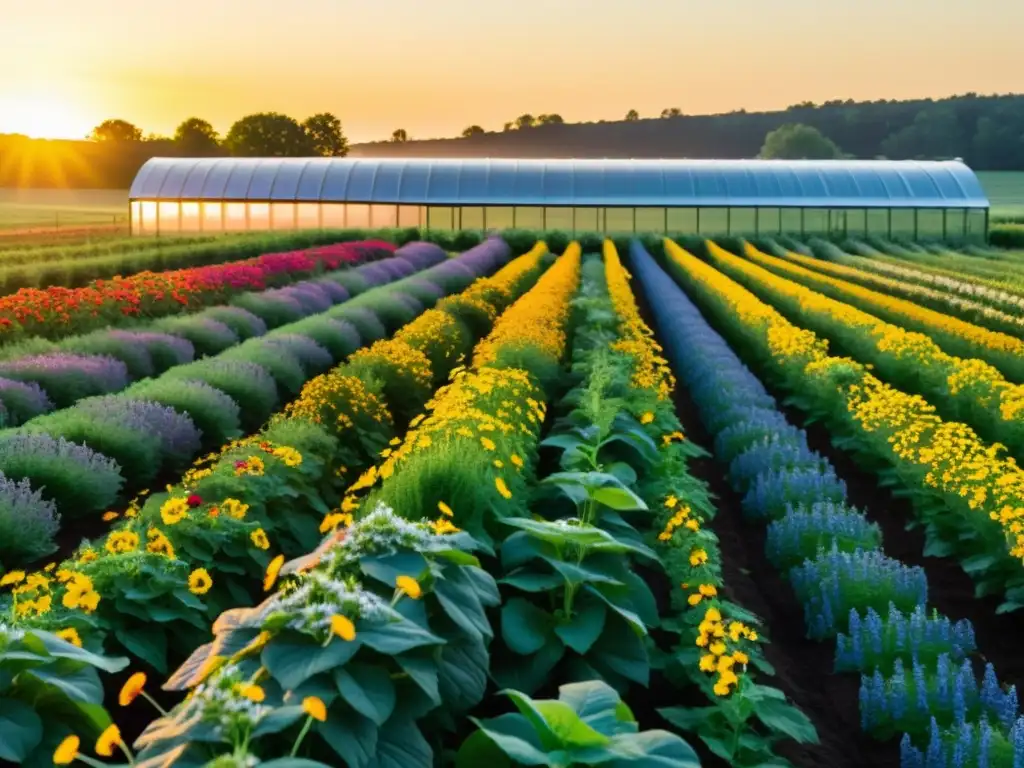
x=888, y=198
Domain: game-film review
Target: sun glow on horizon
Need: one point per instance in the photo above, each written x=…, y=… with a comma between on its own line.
x=43, y=117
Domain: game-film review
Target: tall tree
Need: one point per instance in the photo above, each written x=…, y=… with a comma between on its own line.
x=268, y=134
x=552, y=119
x=524, y=121
x=399, y=136
x=473, y=130
x=196, y=136
x=116, y=132
x=795, y=141
x=325, y=135
x=671, y=112
x=632, y=116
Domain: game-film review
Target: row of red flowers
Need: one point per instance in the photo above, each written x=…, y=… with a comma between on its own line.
x=56, y=311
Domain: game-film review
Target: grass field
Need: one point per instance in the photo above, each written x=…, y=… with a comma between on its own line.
x=1005, y=190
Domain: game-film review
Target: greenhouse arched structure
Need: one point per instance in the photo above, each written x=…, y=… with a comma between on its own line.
x=913, y=199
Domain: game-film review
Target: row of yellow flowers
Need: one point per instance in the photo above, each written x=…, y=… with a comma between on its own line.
x=687, y=547
x=1002, y=350
x=154, y=541
x=981, y=491
x=506, y=409
x=970, y=389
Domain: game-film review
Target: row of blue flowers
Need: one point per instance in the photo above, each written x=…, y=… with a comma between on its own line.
x=916, y=668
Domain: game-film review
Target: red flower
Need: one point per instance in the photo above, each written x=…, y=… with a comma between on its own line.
x=194, y=500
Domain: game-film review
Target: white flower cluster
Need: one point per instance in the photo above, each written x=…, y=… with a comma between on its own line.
x=319, y=597
x=218, y=697
x=11, y=634
x=384, y=532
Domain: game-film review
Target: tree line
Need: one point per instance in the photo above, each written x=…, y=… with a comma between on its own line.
x=987, y=132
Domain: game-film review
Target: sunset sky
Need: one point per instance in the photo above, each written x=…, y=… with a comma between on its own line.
x=435, y=67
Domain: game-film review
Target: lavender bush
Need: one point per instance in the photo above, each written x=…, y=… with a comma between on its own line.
x=364, y=320
x=165, y=349
x=214, y=413
x=22, y=400
x=208, y=335
x=245, y=382
x=28, y=523
x=312, y=357
x=241, y=321
x=339, y=337
x=67, y=378
x=176, y=433
x=79, y=480
x=279, y=361
x=422, y=254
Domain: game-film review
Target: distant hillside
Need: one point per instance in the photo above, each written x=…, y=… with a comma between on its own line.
x=986, y=131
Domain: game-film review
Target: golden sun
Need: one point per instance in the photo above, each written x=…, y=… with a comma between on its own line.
x=42, y=117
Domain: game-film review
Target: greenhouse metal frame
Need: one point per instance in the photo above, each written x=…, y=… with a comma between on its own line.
x=941, y=199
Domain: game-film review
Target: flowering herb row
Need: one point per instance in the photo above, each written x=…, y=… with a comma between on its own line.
x=966, y=494
x=968, y=390
x=969, y=301
x=915, y=664
x=392, y=604
x=38, y=375
x=83, y=457
x=270, y=489
x=56, y=312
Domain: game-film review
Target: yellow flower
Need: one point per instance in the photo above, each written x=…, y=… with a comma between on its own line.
x=174, y=510
x=741, y=658
x=108, y=516
x=252, y=692
x=131, y=689
x=409, y=586
x=487, y=443
x=445, y=509
x=721, y=689
x=259, y=539
x=109, y=739
x=315, y=708
x=717, y=648
x=12, y=577
x=199, y=582
x=67, y=750
x=272, y=570
x=88, y=555
x=234, y=508
x=694, y=599
x=647, y=418
x=698, y=557
x=70, y=635
x=514, y=458
x=159, y=544
x=343, y=627
x=289, y=456
x=707, y=662
x=671, y=502
x=499, y=483
x=122, y=541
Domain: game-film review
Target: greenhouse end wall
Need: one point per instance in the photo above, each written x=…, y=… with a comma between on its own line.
x=181, y=217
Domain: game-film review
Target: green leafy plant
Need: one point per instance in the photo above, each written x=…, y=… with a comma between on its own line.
x=588, y=724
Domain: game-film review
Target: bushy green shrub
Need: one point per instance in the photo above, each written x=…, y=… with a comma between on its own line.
x=247, y=383
x=281, y=364
x=208, y=335
x=243, y=322
x=339, y=337
x=363, y=319
x=275, y=310
x=215, y=414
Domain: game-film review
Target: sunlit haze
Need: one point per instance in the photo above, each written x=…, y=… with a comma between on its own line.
x=434, y=68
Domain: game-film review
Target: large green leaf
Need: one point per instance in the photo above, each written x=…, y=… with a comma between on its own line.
x=352, y=736
x=293, y=661
x=463, y=673
x=422, y=669
x=582, y=631
x=512, y=735
x=388, y=568
x=20, y=730
x=368, y=690
x=533, y=582
x=524, y=627
x=277, y=720
x=398, y=636
x=401, y=745
x=652, y=749
x=596, y=703
x=147, y=643
x=479, y=750
x=82, y=684
x=570, y=730
x=460, y=602
x=787, y=719
x=62, y=649
x=619, y=499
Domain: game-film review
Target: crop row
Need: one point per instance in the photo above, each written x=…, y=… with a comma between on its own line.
x=917, y=675
x=967, y=496
x=968, y=390
x=202, y=546
x=969, y=301
x=55, y=312
x=81, y=458
x=37, y=375
x=77, y=266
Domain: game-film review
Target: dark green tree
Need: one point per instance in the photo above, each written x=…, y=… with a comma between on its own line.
x=268, y=134
x=473, y=130
x=196, y=136
x=671, y=112
x=399, y=136
x=632, y=116
x=795, y=141
x=325, y=135
x=116, y=132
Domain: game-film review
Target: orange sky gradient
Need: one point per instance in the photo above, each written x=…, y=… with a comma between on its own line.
x=435, y=67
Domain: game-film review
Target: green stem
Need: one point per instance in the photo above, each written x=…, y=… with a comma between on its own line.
x=302, y=735
x=152, y=701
